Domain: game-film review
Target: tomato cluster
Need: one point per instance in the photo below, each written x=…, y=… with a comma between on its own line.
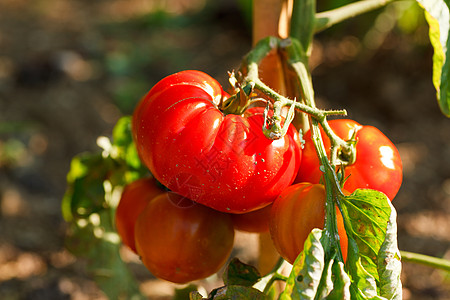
x=223, y=174
x=177, y=239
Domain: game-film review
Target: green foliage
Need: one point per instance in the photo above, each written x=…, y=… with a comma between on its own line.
x=95, y=181
x=366, y=214
x=239, y=273
x=304, y=280
x=373, y=266
x=437, y=15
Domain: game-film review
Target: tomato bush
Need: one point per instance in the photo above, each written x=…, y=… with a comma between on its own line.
x=377, y=166
x=200, y=149
x=179, y=240
x=298, y=210
x=222, y=161
x=135, y=197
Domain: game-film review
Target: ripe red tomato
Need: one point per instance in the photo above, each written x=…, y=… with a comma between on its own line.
x=256, y=221
x=299, y=209
x=378, y=165
x=222, y=161
x=135, y=197
x=180, y=240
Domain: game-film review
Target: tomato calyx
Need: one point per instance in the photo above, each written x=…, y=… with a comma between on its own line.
x=238, y=103
x=346, y=156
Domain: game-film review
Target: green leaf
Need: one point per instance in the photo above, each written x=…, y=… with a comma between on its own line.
x=195, y=295
x=238, y=273
x=122, y=132
x=437, y=13
x=124, y=145
x=84, y=194
x=367, y=213
x=186, y=292
x=389, y=261
x=341, y=283
x=238, y=292
x=304, y=279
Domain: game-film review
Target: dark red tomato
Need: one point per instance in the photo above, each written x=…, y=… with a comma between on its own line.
x=298, y=210
x=135, y=197
x=222, y=161
x=378, y=165
x=180, y=240
x=256, y=221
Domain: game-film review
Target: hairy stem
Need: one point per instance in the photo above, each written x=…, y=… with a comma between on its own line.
x=434, y=262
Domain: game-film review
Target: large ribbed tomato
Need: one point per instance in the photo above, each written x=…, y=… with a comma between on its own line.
x=222, y=161
x=179, y=240
x=377, y=166
x=298, y=210
x=135, y=197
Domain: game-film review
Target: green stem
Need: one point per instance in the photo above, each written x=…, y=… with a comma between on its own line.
x=256, y=55
x=434, y=262
x=298, y=63
x=297, y=60
x=250, y=67
x=329, y=18
x=303, y=22
x=275, y=277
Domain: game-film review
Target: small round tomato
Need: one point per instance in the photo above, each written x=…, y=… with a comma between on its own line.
x=377, y=166
x=180, y=240
x=298, y=210
x=135, y=197
x=223, y=161
x=256, y=221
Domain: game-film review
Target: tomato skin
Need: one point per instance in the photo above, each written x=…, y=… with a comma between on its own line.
x=221, y=161
x=378, y=164
x=135, y=197
x=256, y=221
x=180, y=241
x=298, y=210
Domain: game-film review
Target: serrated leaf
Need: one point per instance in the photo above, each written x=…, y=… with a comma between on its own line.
x=367, y=213
x=306, y=273
x=389, y=261
x=238, y=273
x=437, y=13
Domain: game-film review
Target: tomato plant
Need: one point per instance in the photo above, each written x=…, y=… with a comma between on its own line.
x=225, y=153
x=181, y=241
x=377, y=164
x=221, y=161
x=298, y=210
x=135, y=197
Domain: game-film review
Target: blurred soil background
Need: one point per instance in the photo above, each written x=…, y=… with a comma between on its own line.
x=70, y=69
